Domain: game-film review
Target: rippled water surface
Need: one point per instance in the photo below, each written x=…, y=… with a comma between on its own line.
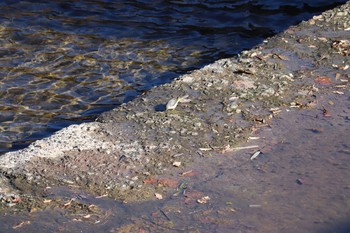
x=66, y=61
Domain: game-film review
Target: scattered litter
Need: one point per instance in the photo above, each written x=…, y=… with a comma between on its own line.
x=172, y=104
x=181, y=189
x=159, y=196
x=92, y=206
x=275, y=110
x=326, y=112
x=165, y=215
x=205, y=149
x=176, y=164
x=105, y=195
x=323, y=80
x=177, y=155
x=255, y=155
x=282, y=57
x=253, y=138
x=254, y=206
x=338, y=92
x=21, y=224
x=188, y=173
x=245, y=147
x=168, y=182
x=203, y=200
x=341, y=86
x=295, y=105
x=67, y=205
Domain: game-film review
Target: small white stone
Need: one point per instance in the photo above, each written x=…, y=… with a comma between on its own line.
x=187, y=79
x=176, y=164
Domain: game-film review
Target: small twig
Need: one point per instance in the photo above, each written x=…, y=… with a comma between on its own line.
x=245, y=147
x=164, y=214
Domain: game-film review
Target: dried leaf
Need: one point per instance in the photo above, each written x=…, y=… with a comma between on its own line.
x=189, y=173
x=21, y=224
x=323, y=80
x=337, y=76
x=326, y=113
x=172, y=183
x=150, y=181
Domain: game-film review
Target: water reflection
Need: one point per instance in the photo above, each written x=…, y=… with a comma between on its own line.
x=65, y=62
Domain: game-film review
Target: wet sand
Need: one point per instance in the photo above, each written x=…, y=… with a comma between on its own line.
x=187, y=169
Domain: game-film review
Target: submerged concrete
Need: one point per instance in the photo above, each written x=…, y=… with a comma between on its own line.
x=119, y=154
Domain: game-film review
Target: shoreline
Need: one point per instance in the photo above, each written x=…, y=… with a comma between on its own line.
x=120, y=154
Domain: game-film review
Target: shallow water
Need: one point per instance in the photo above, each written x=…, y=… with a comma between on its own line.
x=66, y=62
x=299, y=183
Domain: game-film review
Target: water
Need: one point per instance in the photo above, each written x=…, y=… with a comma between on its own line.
x=299, y=183
x=65, y=62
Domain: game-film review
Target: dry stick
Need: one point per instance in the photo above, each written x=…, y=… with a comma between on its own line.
x=245, y=147
x=164, y=214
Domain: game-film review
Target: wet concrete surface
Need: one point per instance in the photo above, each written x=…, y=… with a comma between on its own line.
x=298, y=183
x=192, y=169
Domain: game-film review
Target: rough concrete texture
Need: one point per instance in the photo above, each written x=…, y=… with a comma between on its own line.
x=226, y=101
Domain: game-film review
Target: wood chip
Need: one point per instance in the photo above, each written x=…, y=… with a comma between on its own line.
x=255, y=155
x=176, y=164
x=159, y=196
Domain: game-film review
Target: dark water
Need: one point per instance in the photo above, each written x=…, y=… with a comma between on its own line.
x=63, y=62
